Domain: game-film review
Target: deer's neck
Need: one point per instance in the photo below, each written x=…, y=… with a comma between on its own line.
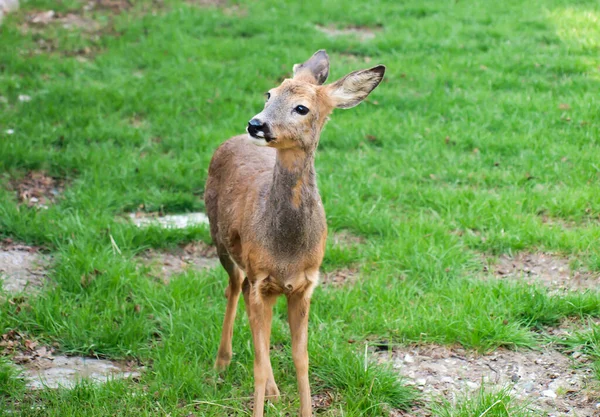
x=293, y=209
x=294, y=180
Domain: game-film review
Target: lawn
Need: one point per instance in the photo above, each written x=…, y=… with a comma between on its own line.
x=482, y=142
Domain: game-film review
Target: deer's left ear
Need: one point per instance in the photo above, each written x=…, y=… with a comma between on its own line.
x=349, y=91
x=315, y=70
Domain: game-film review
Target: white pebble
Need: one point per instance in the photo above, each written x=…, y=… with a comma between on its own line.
x=472, y=385
x=549, y=393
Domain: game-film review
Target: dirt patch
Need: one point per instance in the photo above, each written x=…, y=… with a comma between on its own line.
x=66, y=371
x=207, y=3
x=115, y=6
x=363, y=33
x=42, y=369
x=344, y=238
x=339, y=277
x=37, y=189
x=550, y=270
x=22, y=268
x=546, y=379
x=173, y=221
x=7, y=6
x=193, y=256
x=322, y=401
x=40, y=19
x=354, y=58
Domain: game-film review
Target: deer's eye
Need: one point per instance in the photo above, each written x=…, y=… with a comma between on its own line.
x=268, y=95
x=301, y=110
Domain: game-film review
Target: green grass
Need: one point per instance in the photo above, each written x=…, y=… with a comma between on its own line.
x=586, y=341
x=465, y=148
x=484, y=403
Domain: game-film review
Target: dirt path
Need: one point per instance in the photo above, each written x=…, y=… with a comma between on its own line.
x=552, y=383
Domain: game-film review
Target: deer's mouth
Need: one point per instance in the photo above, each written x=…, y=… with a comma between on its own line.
x=260, y=136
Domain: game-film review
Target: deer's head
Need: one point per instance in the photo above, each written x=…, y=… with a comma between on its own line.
x=296, y=111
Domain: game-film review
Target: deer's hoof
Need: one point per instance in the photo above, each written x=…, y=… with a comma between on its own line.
x=272, y=392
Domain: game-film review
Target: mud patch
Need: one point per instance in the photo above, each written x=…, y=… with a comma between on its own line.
x=169, y=221
x=37, y=189
x=363, y=33
x=546, y=379
x=22, y=268
x=193, y=256
x=547, y=269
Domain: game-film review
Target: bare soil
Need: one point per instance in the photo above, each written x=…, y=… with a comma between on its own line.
x=207, y=3
x=37, y=189
x=42, y=369
x=166, y=264
x=547, y=269
x=22, y=268
x=339, y=277
x=363, y=33
x=176, y=221
x=552, y=383
x=344, y=238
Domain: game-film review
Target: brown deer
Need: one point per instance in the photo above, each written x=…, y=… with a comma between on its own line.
x=266, y=216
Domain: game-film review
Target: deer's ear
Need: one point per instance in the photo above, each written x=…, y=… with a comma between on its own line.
x=349, y=91
x=315, y=70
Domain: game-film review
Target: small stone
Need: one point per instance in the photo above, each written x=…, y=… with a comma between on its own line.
x=436, y=368
x=421, y=381
x=549, y=393
x=577, y=355
x=24, y=98
x=447, y=380
x=529, y=386
x=10, y=131
x=472, y=385
x=515, y=378
x=408, y=358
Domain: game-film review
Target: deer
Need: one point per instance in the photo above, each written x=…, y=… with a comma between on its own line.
x=266, y=216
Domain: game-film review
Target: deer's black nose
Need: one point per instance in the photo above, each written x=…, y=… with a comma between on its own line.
x=257, y=129
x=256, y=124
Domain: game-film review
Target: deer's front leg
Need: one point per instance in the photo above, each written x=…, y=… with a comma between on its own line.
x=298, y=308
x=259, y=307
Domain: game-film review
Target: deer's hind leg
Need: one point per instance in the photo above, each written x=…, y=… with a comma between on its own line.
x=236, y=277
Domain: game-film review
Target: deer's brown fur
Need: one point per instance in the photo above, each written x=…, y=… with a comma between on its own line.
x=266, y=216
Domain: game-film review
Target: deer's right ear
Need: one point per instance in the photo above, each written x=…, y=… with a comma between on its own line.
x=315, y=70
x=355, y=87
